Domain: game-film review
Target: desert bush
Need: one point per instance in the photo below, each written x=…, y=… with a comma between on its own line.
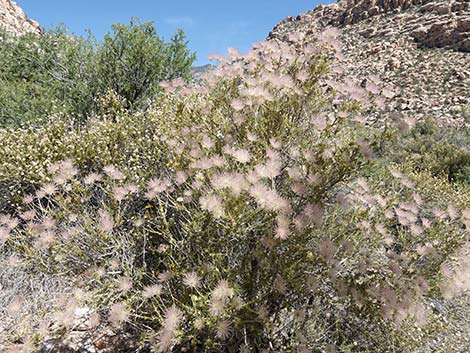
x=441, y=150
x=133, y=60
x=46, y=74
x=232, y=217
x=60, y=73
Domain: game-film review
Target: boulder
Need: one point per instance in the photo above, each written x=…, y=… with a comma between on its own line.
x=14, y=20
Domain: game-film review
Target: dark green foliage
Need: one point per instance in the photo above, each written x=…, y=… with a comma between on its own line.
x=134, y=59
x=43, y=75
x=57, y=73
x=178, y=59
x=442, y=150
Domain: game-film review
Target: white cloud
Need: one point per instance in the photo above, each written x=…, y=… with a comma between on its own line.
x=180, y=21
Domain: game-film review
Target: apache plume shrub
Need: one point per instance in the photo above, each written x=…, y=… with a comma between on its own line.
x=238, y=223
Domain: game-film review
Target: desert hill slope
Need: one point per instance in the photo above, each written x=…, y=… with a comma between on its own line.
x=419, y=48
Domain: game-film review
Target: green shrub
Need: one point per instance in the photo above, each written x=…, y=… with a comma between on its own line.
x=47, y=74
x=57, y=73
x=133, y=60
x=442, y=150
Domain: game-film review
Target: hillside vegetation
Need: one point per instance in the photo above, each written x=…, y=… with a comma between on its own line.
x=252, y=212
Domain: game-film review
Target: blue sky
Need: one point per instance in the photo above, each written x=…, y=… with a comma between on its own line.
x=211, y=26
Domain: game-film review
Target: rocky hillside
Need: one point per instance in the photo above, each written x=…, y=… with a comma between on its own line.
x=420, y=49
x=14, y=20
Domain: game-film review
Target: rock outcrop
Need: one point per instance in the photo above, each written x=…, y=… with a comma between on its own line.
x=419, y=47
x=441, y=24
x=14, y=20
